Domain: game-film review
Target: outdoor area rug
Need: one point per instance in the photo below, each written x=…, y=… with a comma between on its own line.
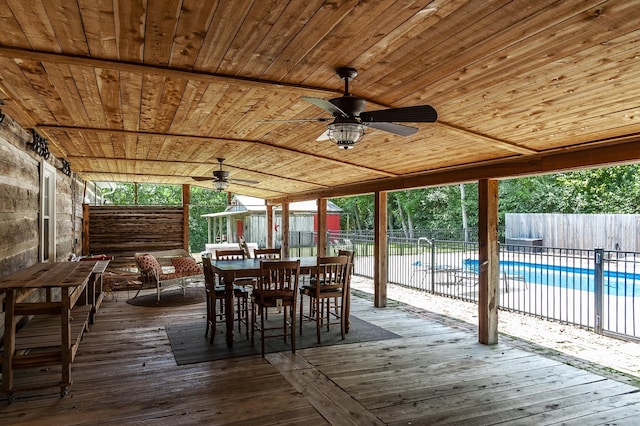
x=189, y=345
x=171, y=298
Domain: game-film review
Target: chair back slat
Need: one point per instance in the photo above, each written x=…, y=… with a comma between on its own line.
x=271, y=253
x=279, y=275
x=333, y=272
x=232, y=254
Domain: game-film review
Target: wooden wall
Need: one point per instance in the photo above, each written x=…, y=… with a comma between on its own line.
x=121, y=231
x=20, y=202
x=19, y=199
x=20, y=205
x=585, y=231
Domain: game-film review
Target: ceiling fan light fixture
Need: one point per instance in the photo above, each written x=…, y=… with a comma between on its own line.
x=345, y=134
x=221, y=185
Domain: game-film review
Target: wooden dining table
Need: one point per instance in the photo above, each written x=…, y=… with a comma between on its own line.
x=230, y=270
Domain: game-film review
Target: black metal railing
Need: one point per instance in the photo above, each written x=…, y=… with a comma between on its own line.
x=596, y=289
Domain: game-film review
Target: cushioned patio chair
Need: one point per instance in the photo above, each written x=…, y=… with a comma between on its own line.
x=184, y=270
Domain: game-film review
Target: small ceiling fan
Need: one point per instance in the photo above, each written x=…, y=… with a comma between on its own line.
x=350, y=120
x=221, y=178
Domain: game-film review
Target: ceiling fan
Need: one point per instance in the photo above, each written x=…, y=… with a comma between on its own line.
x=221, y=178
x=350, y=120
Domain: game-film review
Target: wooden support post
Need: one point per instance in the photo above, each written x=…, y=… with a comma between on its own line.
x=85, y=229
x=380, y=259
x=489, y=275
x=322, y=227
x=186, y=200
x=285, y=229
x=270, y=224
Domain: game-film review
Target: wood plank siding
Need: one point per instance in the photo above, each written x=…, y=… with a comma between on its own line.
x=437, y=373
x=122, y=231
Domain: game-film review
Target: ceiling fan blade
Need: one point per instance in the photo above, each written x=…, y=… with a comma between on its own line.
x=246, y=181
x=298, y=120
x=325, y=105
x=398, y=129
x=201, y=178
x=323, y=137
x=413, y=114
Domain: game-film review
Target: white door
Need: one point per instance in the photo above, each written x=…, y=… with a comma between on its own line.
x=47, y=212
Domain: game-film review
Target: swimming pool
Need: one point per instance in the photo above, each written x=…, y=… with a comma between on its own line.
x=616, y=283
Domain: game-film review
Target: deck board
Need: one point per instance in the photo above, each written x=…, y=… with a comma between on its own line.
x=438, y=373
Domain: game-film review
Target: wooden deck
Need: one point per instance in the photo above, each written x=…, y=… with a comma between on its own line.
x=125, y=373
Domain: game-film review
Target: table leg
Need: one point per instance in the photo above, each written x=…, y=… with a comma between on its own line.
x=9, y=343
x=348, y=307
x=91, y=294
x=228, y=309
x=66, y=341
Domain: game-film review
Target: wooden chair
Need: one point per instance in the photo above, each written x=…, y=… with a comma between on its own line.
x=215, y=296
x=330, y=282
x=245, y=283
x=350, y=254
x=268, y=253
x=277, y=287
x=215, y=293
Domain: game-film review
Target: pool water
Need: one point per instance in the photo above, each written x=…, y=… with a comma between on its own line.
x=616, y=283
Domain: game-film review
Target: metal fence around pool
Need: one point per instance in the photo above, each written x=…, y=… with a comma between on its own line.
x=596, y=289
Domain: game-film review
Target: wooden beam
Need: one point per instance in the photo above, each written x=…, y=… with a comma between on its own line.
x=163, y=71
x=85, y=227
x=489, y=276
x=502, y=144
x=45, y=128
x=322, y=227
x=593, y=154
x=380, y=260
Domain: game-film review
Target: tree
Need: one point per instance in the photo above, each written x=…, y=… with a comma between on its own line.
x=203, y=201
x=357, y=212
x=605, y=190
x=144, y=194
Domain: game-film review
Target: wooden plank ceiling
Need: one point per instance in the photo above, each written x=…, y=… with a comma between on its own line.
x=156, y=90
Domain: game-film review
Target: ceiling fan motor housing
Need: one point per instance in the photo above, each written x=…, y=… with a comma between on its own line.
x=351, y=105
x=221, y=174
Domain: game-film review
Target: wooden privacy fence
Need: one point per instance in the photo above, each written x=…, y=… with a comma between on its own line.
x=585, y=231
x=121, y=231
